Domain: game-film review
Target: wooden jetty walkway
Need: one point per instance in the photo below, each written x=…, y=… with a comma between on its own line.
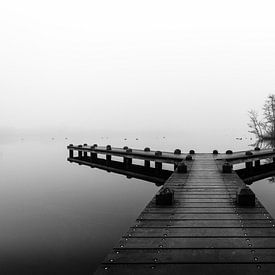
x=215, y=225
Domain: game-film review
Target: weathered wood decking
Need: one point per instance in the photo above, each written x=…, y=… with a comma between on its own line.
x=203, y=232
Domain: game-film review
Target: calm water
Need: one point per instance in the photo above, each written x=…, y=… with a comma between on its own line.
x=58, y=217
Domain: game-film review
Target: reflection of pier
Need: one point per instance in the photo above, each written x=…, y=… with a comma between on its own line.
x=214, y=224
x=133, y=171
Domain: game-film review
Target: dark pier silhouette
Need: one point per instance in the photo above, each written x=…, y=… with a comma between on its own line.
x=204, y=220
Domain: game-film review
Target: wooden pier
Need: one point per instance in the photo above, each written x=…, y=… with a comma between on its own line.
x=208, y=229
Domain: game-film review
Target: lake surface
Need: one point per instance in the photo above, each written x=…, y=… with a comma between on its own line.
x=58, y=217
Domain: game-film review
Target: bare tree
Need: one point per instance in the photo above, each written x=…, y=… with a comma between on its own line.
x=255, y=124
x=264, y=128
x=269, y=116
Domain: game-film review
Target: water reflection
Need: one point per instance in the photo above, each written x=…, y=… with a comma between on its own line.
x=133, y=171
x=57, y=218
x=61, y=218
x=266, y=144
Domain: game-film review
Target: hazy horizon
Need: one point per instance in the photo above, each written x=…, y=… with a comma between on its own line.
x=149, y=66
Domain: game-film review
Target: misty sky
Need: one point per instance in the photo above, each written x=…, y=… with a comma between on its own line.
x=135, y=64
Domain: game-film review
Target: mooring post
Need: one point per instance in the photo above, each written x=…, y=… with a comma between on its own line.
x=182, y=168
x=176, y=164
x=245, y=197
x=80, y=151
x=227, y=168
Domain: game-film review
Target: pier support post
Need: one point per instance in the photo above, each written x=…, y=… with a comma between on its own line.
x=71, y=152
x=85, y=153
x=108, y=159
x=165, y=197
x=245, y=197
x=158, y=166
x=127, y=162
x=249, y=165
x=257, y=163
x=93, y=156
x=147, y=163
x=80, y=153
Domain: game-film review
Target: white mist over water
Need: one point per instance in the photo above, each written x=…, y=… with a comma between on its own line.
x=150, y=65
x=177, y=74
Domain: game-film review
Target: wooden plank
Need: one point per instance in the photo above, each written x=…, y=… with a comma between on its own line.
x=200, y=232
x=167, y=157
x=198, y=216
x=203, y=232
x=204, y=210
x=176, y=256
x=203, y=223
x=190, y=269
x=196, y=242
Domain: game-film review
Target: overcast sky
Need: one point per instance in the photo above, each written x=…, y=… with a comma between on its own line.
x=135, y=64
